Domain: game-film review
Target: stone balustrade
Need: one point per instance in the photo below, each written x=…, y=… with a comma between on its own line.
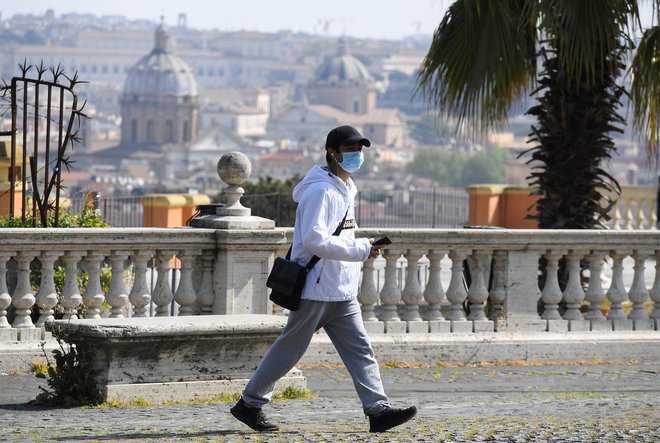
x=427, y=281
x=635, y=209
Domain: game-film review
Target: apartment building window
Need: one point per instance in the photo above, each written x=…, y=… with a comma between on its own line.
x=169, y=131
x=134, y=129
x=150, y=131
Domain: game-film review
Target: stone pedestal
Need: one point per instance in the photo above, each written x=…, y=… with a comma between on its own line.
x=175, y=358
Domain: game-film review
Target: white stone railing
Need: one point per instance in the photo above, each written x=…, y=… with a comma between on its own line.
x=635, y=209
x=186, y=271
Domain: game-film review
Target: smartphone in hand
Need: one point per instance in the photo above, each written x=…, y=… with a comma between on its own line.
x=382, y=241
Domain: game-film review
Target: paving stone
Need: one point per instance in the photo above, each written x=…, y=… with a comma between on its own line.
x=550, y=403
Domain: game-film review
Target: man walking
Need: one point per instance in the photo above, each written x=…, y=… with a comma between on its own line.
x=325, y=199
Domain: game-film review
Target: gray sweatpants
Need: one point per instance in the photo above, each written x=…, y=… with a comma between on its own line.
x=342, y=322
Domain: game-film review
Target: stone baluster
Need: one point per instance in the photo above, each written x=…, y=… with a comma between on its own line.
x=205, y=295
x=139, y=295
x=5, y=298
x=595, y=293
x=390, y=295
x=23, y=298
x=412, y=292
x=368, y=296
x=573, y=293
x=551, y=294
x=46, y=297
x=616, y=293
x=498, y=292
x=434, y=293
x=185, y=294
x=116, y=296
x=93, y=297
x=653, y=220
x=638, y=293
x=478, y=292
x=641, y=218
x=615, y=223
x=71, y=297
x=629, y=215
x=456, y=292
x=162, y=294
x=655, y=290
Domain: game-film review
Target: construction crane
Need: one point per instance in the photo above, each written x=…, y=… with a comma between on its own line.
x=326, y=22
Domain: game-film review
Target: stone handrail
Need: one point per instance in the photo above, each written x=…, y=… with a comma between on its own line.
x=186, y=271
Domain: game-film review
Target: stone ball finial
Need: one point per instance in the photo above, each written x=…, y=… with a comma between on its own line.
x=234, y=168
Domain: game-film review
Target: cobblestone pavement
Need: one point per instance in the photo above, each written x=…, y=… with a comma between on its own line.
x=592, y=403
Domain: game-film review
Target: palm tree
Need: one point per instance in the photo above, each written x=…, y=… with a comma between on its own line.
x=570, y=55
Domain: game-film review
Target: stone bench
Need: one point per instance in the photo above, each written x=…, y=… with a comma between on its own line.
x=175, y=358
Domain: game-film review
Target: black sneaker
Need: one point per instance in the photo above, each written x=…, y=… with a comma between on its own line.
x=389, y=418
x=253, y=417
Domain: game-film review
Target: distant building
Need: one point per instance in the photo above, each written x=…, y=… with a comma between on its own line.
x=343, y=82
x=160, y=103
x=160, y=115
x=341, y=92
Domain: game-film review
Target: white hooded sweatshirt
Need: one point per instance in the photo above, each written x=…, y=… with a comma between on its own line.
x=323, y=199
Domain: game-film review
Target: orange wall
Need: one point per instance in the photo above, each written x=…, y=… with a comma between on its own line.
x=501, y=205
x=170, y=210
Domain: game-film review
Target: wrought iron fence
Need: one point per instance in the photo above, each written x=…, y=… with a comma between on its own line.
x=413, y=208
x=45, y=118
x=117, y=211
x=410, y=208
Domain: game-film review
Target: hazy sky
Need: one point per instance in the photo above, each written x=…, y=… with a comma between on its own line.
x=389, y=19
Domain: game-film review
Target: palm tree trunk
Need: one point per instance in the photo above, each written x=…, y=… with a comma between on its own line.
x=575, y=118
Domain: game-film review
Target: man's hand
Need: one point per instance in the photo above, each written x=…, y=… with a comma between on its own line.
x=375, y=250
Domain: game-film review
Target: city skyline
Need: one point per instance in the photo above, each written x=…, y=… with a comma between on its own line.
x=382, y=19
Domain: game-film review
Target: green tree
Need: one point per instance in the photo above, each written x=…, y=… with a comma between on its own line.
x=483, y=58
x=430, y=131
x=459, y=169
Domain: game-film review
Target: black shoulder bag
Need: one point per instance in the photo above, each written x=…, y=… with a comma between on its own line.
x=287, y=278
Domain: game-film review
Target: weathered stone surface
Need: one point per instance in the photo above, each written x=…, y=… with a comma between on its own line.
x=439, y=326
x=232, y=222
x=29, y=334
x=395, y=327
x=557, y=325
x=579, y=325
x=418, y=327
x=163, y=351
x=458, y=327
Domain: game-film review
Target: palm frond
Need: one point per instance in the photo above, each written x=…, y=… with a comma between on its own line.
x=587, y=32
x=645, y=93
x=481, y=60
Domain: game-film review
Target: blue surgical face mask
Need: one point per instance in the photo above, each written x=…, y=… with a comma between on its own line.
x=352, y=161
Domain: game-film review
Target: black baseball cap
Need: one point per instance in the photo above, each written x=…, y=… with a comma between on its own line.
x=345, y=135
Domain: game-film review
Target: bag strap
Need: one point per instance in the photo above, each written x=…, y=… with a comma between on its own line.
x=315, y=259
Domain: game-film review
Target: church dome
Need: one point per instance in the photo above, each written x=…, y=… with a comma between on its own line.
x=161, y=73
x=342, y=68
